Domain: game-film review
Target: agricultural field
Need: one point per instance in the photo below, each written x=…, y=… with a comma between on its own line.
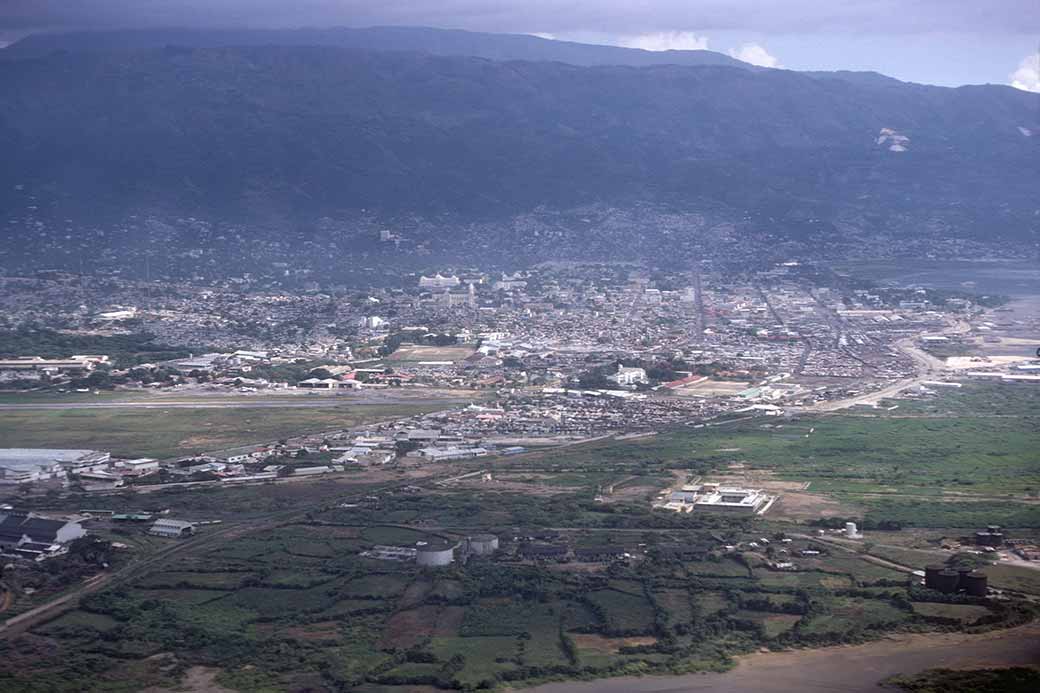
x=297, y=605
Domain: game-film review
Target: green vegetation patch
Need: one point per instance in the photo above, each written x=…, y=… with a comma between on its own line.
x=482, y=658
x=184, y=596
x=269, y=602
x=772, y=624
x=1010, y=680
x=622, y=613
x=212, y=581
x=395, y=536
x=710, y=602
x=1013, y=577
x=162, y=433
x=965, y=613
x=376, y=586
x=76, y=620
x=947, y=513
x=847, y=615
x=510, y=617
x=349, y=607
x=802, y=579
x=676, y=604
x=725, y=567
x=861, y=570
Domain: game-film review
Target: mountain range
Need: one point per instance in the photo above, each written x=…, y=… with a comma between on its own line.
x=285, y=128
x=385, y=38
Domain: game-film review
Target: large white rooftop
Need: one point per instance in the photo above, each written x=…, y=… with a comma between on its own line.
x=30, y=458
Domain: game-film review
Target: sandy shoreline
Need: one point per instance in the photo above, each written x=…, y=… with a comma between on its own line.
x=847, y=668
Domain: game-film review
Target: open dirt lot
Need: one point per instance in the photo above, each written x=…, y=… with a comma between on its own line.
x=708, y=388
x=412, y=352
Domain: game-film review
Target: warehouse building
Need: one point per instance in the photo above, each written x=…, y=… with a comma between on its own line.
x=172, y=529
x=17, y=528
x=25, y=465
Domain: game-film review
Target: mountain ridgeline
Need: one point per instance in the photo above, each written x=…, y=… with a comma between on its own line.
x=270, y=135
x=381, y=38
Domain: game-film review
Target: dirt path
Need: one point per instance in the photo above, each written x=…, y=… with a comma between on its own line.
x=850, y=669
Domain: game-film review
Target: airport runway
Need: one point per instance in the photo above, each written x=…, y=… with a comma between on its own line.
x=231, y=404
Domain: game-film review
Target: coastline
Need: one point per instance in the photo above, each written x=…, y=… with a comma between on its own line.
x=848, y=668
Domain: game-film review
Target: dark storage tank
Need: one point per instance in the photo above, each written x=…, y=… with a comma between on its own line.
x=962, y=573
x=991, y=537
x=931, y=573
x=976, y=584
x=947, y=580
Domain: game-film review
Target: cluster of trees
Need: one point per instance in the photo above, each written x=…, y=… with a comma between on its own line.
x=86, y=556
x=657, y=371
x=124, y=350
x=394, y=341
x=867, y=524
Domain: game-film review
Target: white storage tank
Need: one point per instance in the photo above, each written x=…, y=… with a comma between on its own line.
x=483, y=544
x=850, y=530
x=434, y=554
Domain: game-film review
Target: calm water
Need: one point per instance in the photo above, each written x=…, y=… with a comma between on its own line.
x=1014, y=278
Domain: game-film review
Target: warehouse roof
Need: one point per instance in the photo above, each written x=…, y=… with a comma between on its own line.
x=32, y=458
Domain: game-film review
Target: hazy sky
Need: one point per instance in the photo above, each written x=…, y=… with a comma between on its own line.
x=948, y=42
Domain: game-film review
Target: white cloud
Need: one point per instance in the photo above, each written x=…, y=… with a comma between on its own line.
x=1027, y=76
x=544, y=35
x=667, y=41
x=756, y=55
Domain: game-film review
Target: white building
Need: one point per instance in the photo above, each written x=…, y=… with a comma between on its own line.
x=138, y=467
x=447, y=454
x=34, y=366
x=24, y=465
x=629, y=376
x=716, y=498
x=438, y=282
x=120, y=314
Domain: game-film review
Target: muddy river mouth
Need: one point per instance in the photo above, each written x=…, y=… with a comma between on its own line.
x=847, y=668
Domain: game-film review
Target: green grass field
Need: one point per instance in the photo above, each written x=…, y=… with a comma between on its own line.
x=861, y=455
x=1013, y=577
x=965, y=613
x=170, y=432
x=965, y=458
